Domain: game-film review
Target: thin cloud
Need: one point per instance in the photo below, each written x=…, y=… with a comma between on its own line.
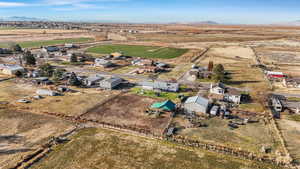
x=11, y=4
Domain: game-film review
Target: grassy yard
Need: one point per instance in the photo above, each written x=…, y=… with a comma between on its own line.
x=139, y=51
x=245, y=137
x=150, y=93
x=98, y=148
x=32, y=44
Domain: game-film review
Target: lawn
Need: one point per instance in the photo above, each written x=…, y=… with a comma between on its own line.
x=150, y=93
x=139, y=51
x=98, y=148
x=32, y=44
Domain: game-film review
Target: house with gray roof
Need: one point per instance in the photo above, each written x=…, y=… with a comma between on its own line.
x=160, y=85
x=196, y=104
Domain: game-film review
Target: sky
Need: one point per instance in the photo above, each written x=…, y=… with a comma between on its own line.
x=156, y=11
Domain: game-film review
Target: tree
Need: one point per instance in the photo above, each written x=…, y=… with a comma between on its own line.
x=58, y=74
x=46, y=70
x=15, y=47
x=219, y=73
x=29, y=58
x=219, y=69
x=73, y=80
x=73, y=58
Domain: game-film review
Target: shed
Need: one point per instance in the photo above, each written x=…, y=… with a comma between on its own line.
x=196, y=104
x=166, y=105
x=45, y=92
x=11, y=69
x=110, y=83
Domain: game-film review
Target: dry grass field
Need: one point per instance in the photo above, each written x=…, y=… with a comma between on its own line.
x=128, y=109
x=291, y=133
x=97, y=148
x=36, y=31
x=245, y=137
x=21, y=133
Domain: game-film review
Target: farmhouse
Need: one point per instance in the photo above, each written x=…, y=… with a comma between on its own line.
x=11, y=69
x=102, y=63
x=219, y=88
x=110, y=83
x=233, y=96
x=221, y=92
x=196, y=104
x=159, y=85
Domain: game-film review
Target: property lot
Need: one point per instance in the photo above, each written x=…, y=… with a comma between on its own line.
x=69, y=104
x=139, y=51
x=128, y=109
x=291, y=133
x=105, y=149
x=21, y=133
x=245, y=137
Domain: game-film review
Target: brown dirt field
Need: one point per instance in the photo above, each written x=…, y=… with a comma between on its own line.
x=128, y=109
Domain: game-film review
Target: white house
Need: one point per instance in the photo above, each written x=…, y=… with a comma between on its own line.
x=102, y=63
x=219, y=88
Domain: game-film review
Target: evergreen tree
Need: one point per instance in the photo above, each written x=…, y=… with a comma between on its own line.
x=73, y=58
x=15, y=47
x=46, y=70
x=219, y=73
x=73, y=80
x=29, y=58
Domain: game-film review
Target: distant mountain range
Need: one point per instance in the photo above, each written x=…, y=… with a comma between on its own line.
x=21, y=18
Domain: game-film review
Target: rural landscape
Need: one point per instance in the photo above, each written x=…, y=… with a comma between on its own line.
x=118, y=95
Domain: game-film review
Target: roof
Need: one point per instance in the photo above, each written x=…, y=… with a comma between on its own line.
x=102, y=61
x=94, y=78
x=161, y=85
x=275, y=73
x=116, y=54
x=198, y=100
x=221, y=85
x=113, y=79
x=166, y=105
x=11, y=67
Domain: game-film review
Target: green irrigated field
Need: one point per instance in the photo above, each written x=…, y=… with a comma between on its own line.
x=140, y=51
x=32, y=44
x=98, y=148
